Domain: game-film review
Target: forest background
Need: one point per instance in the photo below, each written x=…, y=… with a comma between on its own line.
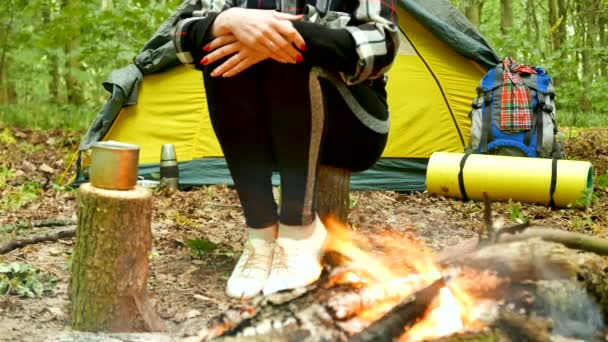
x=55, y=54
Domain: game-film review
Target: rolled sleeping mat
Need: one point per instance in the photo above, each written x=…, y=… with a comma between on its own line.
x=557, y=183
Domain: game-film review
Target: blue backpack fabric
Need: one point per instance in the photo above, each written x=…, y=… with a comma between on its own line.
x=492, y=108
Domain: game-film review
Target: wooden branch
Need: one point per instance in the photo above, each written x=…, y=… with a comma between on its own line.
x=30, y=240
x=573, y=240
x=403, y=315
x=569, y=239
x=41, y=223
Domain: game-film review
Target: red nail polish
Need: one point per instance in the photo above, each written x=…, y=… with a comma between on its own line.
x=204, y=61
x=303, y=47
x=299, y=58
x=206, y=48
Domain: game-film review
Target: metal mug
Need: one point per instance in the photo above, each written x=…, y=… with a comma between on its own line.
x=114, y=165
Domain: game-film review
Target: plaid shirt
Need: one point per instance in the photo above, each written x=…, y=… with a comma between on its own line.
x=516, y=103
x=372, y=24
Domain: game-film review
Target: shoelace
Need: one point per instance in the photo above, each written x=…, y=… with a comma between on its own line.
x=254, y=263
x=281, y=261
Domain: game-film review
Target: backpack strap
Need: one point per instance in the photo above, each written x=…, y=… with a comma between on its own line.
x=539, y=125
x=463, y=191
x=486, y=126
x=553, y=183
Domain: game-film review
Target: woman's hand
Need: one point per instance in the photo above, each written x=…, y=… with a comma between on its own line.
x=265, y=31
x=242, y=57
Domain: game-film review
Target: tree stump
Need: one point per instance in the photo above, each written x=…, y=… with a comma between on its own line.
x=331, y=193
x=108, y=286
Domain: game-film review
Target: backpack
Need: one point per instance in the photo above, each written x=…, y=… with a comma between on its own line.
x=514, y=113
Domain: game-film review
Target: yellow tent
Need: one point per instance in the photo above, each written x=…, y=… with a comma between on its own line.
x=430, y=90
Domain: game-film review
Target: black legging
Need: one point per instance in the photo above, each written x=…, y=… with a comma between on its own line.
x=262, y=119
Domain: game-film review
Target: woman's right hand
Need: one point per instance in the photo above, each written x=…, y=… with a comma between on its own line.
x=266, y=31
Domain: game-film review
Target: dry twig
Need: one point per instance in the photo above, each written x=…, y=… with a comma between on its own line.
x=53, y=236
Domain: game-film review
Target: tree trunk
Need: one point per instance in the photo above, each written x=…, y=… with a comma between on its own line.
x=53, y=61
x=5, y=91
x=108, y=286
x=331, y=193
x=603, y=26
x=506, y=23
x=473, y=12
x=553, y=28
x=506, y=16
x=590, y=34
x=73, y=86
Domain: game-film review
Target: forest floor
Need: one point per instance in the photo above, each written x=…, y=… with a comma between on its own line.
x=187, y=281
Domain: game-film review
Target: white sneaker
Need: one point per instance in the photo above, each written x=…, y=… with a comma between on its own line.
x=297, y=257
x=251, y=271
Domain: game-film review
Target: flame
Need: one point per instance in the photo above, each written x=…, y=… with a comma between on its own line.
x=386, y=264
x=444, y=318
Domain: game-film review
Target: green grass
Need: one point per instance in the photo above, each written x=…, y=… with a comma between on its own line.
x=586, y=120
x=48, y=116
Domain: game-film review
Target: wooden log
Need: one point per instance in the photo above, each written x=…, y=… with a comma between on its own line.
x=110, y=262
x=328, y=310
x=331, y=193
x=402, y=316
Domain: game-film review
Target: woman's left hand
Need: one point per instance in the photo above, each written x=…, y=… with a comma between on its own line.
x=242, y=57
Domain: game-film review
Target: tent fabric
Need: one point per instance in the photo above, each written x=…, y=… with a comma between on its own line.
x=453, y=28
x=432, y=83
x=387, y=174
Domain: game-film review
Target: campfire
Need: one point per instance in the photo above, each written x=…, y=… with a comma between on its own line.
x=390, y=286
x=392, y=269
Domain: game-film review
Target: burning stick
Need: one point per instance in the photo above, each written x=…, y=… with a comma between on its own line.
x=344, y=307
x=401, y=316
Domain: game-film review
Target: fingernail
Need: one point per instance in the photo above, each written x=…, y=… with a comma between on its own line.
x=206, y=47
x=299, y=58
x=204, y=61
x=303, y=47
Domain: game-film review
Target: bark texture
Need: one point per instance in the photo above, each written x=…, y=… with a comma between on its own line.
x=331, y=193
x=110, y=261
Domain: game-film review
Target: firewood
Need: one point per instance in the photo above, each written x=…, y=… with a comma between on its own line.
x=392, y=325
x=108, y=286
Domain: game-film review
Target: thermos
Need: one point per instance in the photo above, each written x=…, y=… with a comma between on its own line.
x=169, y=171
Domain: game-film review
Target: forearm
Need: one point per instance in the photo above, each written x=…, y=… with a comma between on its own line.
x=331, y=49
x=189, y=37
x=371, y=46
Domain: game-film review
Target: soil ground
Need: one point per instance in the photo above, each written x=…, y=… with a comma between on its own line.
x=186, y=284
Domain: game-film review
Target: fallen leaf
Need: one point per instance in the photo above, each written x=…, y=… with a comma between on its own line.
x=28, y=166
x=45, y=168
x=184, y=315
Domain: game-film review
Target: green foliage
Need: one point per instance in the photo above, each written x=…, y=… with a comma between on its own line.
x=21, y=195
x=581, y=119
x=601, y=182
x=7, y=137
x=52, y=41
x=515, y=213
x=200, y=247
x=23, y=279
x=59, y=48
x=5, y=175
x=48, y=116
